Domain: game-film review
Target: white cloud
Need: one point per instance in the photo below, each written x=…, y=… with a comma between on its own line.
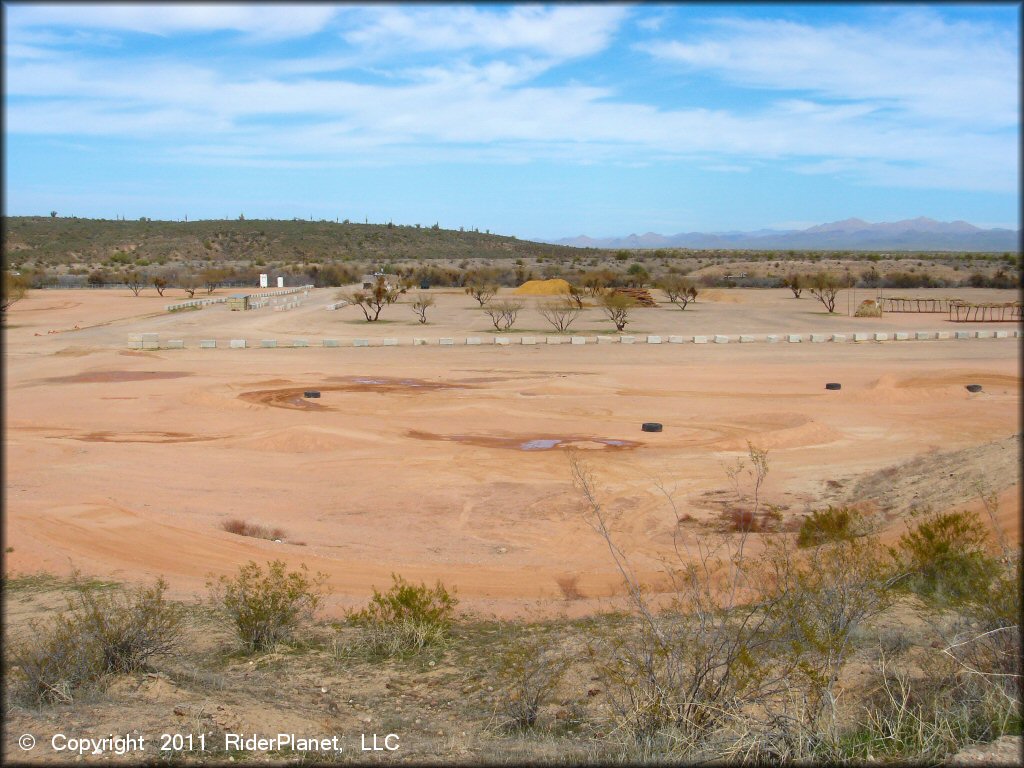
x=321, y=108
x=916, y=62
x=561, y=31
x=260, y=21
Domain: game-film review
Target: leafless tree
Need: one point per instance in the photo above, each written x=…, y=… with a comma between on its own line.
x=503, y=313
x=560, y=313
x=481, y=285
x=420, y=306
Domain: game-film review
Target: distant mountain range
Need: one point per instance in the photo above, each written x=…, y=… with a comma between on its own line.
x=920, y=234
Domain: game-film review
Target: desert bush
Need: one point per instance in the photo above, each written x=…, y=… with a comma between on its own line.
x=825, y=287
x=100, y=633
x=530, y=670
x=946, y=558
x=831, y=524
x=617, y=307
x=421, y=304
x=678, y=289
x=503, y=314
x=267, y=607
x=907, y=718
x=240, y=527
x=373, y=300
x=560, y=313
x=407, y=618
x=481, y=284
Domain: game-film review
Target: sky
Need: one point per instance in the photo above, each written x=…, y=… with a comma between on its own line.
x=539, y=121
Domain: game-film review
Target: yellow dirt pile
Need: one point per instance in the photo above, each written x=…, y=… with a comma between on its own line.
x=554, y=287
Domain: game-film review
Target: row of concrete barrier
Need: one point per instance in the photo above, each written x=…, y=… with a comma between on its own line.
x=256, y=300
x=151, y=340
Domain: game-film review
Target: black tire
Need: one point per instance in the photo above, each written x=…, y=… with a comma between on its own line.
x=311, y=393
x=974, y=387
x=650, y=426
x=833, y=385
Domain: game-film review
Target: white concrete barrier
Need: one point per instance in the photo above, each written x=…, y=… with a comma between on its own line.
x=175, y=344
x=389, y=342
x=675, y=339
x=446, y=342
x=901, y=336
x=838, y=337
x=237, y=344
x=473, y=340
x=861, y=336
x=818, y=338
x=578, y=340
x=794, y=338
x=527, y=340
x=332, y=343
x=300, y=343
x=268, y=343
x=150, y=340
x=983, y=334
x=942, y=335
x=207, y=343
x=746, y=339
x=360, y=342
x=771, y=338
x=607, y=339
x=627, y=339
x=881, y=337
x=700, y=339
x=1000, y=334
x=554, y=339
x=502, y=340
x=654, y=339
x=962, y=335
x=135, y=341
x=721, y=339
x=922, y=335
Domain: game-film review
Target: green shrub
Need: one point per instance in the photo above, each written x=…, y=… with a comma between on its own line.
x=407, y=618
x=945, y=557
x=99, y=634
x=266, y=608
x=832, y=524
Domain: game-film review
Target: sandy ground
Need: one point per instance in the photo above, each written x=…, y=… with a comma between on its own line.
x=444, y=463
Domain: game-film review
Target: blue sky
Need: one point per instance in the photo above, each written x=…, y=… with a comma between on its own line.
x=540, y=121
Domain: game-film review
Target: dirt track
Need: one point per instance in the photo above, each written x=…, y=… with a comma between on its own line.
x=450, y=462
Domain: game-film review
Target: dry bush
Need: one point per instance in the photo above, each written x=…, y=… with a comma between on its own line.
x=240, y=527
x=559, y=313
x=503, y=314
x=929, y=719
x=100, y=633
x=744, y=656
x=831, y=524
x=529, y=670
x=617, y=307
x=407, y=618
x=267, y=608
x=420, y=306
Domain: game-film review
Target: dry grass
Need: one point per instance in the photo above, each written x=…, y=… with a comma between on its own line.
x=241, y=527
